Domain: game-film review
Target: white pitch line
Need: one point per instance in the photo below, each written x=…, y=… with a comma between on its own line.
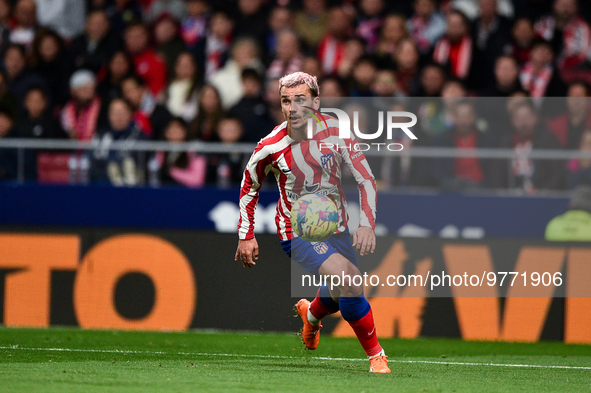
x=119, y=351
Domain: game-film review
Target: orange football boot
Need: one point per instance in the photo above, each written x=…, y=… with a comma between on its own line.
x=310, y=333
x=379, y=364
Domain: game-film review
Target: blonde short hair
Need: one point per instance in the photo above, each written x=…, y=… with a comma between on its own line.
x=300, y=78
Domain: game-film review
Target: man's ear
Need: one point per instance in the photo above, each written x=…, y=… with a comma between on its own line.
x=316, y=103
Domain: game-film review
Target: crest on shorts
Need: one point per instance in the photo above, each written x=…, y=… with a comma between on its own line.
x=320, y=248
x=327, y=160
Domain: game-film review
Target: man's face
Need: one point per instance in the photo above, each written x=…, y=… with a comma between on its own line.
x=577, y=101
x=456, y=28
x=132, y=92
x=464, y=118
x=35, y=103
x=6, y=124
x=84, y=94
x=25, y=13
x=136, y=39
x=506, y=71
x=524, y=121
x=565, y=9
x=294, y=101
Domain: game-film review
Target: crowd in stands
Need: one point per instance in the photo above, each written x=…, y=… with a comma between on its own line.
x=208, y=70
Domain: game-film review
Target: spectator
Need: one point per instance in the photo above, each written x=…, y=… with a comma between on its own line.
x=66, y=17
x=251, y=110
x=530, y=135
x=392, y=34
x=118, y=68
x=279, y=19
x=426, y=26
x=252, y=20
x=93, y=48
x=194, y=24
x=311, y=65
x=245, y=54
x=5, y=14
x=331, y=49
x=122, y=13
x=183, y=92
x=119, y=167
x=363, y=77
x=37, y=121
x=579, y=170
x=370, y=22
x=568, y=128
x=407, y=67
x=506, y=78
x=437, y=117
x=575, y=224
x=49, y=61
x=433, y=78
x=80, y=116
x=569, y=34
x=273, y=100
x=385, y=85
x=522, y=37
x=226, y=169
x=455, y=49
x=186, y=168
x=18, y=77
x=25, y=23
x=491, y=34
x=212, y=51
x=289, y=57
x=169, y=43
x=148, y=65
x=137, y=93
x=311, y=22
x=462, y=172
x=538, y=76
x=8, y=157
x=354, y=50
x=174, y=8
x=209, y=114
x=8, y=101
x=332, y=87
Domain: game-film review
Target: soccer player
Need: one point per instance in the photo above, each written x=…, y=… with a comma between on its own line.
x=303, y=165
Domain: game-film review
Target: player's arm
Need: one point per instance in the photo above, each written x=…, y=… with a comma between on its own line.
x=254, y=174
x=364, y=238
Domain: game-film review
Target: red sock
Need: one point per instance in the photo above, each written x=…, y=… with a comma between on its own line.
x=365, y=330
x=319, y=309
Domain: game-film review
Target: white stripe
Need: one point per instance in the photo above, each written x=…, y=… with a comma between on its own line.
x=324, y=358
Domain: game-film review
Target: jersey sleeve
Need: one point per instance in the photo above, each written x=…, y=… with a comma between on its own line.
x=366, y=184
x=256, y=170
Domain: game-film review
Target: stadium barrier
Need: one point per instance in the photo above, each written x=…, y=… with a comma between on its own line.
x=22, y=145
x=177, y=280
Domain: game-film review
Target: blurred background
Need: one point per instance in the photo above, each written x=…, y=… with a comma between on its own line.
x=120, y=116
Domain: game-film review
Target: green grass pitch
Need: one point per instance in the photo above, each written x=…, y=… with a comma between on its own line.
x=73, y=360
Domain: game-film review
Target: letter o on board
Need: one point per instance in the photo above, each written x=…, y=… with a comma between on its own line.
x=109, y=260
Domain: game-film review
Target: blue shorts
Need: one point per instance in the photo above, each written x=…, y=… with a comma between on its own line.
x=311, y=256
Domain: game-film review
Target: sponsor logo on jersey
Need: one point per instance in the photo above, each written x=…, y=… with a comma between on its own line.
x=320, y=248
x=311, y=188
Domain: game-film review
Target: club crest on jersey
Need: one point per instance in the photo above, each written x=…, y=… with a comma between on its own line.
x=320, y=248
x=327, y=160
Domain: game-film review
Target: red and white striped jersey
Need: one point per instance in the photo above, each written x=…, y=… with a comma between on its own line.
x=312, y=166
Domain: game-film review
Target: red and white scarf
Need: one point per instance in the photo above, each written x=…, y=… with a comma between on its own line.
x=81, y=123
x=535, y=82
x=576, y=36
x=460, y=66
x=214, y=50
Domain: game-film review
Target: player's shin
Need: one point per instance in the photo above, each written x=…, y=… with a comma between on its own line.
x=357, y=312
x=322, y=305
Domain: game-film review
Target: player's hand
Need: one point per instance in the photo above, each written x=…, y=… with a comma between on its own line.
x=364, y=240
x=248, y=252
